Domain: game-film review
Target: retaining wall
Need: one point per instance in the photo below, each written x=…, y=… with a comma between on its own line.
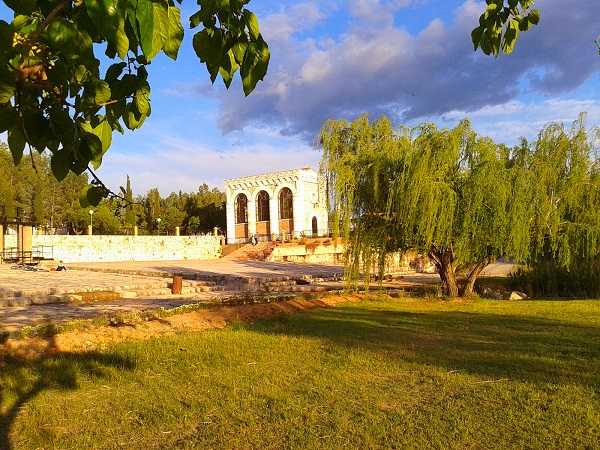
x=70, y=248
x=332, y=251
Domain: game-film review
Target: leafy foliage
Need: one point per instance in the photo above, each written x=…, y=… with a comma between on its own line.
x=53, y=96
x=501, y=23
x=55, y=205
x=461, y=198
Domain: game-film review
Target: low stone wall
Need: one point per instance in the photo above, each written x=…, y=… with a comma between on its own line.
x=71, y=249
x=331, y=251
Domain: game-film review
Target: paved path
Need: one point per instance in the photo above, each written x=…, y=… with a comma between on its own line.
x=14, y=318
x=23, y=283
x=247, y=269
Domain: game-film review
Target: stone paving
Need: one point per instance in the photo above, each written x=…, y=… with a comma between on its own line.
x=220, y=267
x=22, y=283
x=14, y=318
x=147, y=275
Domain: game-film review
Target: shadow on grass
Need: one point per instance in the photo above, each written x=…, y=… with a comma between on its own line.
x=492, y=346
x=21, y=379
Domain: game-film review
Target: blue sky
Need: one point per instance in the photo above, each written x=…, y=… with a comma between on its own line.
x=410, y=59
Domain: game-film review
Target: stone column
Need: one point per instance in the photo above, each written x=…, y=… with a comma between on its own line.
x=89, y=230
x=299, y=210
x=177, y=231
x=136, y=230
x=230, y=208
x=24, y=241
x=251, y=216
x=274, y=212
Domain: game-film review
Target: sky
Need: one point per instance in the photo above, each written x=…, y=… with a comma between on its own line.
x=409, y=59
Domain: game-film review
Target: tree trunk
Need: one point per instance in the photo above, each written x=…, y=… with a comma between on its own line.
x=469, y=286
x=443, y=260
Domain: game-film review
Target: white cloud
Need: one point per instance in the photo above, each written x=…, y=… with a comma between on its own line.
x=173, y=164
x=510, y=121
x=385, y=69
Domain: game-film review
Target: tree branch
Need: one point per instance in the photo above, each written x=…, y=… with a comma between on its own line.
x=110, y=192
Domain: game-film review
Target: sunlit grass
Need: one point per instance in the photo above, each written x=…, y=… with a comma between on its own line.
x=377, y=374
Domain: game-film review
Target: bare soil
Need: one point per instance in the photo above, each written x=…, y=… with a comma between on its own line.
x=100, y=337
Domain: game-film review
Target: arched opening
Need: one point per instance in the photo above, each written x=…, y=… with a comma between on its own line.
x=286, y=211
x=241, y=217
x=315, y=227
x=263, y=214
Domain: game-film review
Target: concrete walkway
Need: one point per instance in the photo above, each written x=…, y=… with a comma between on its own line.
x=15, y=318
x=219, y=267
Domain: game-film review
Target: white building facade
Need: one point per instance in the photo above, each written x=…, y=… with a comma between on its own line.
x=276, y=206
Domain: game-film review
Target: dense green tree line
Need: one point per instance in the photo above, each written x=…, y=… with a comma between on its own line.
x=31, y=188
x=461, y=198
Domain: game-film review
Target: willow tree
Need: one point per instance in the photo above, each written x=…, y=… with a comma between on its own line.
x=448, y=193
x=565, y=197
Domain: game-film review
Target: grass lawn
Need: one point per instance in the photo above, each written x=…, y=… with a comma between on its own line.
x=376, y=374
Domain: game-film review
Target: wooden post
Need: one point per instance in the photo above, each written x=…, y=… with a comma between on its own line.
x=135, y=230
x=1, y=242
x=177, y=231
x=177, y=286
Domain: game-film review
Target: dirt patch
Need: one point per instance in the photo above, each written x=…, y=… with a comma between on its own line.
x=101, y=337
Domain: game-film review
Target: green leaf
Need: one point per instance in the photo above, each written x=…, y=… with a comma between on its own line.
x=510, y=36
x=7, y=117
x=38, y=129
x=133, y=118
x=255, y=65
x=228, y=69
x=95, y=194
x=60, y=163
x=153, y=25
x=142, y=99
x=63, y=126
x=16, y=143
x=534, y=17
x=121, y=39
x=115, y=71
x=103, y=131
x=102, y=92
x=174, y=33
x=7, y=91
x=208, y=45
x=21, y=6
x=89, y=149
x=196, y=19
x=144, y=15
x=83, y=199
x=239, y=51
x=476, y=36
x=252, y=24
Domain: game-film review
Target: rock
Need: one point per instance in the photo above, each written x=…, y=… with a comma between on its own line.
x=516, y=295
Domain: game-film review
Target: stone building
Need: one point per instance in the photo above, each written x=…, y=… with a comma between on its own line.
x=277, y=205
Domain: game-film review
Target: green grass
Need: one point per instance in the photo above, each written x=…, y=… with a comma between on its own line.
x=379, y=374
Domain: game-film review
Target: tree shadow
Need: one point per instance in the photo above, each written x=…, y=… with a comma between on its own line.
x=488, y=345
x=22, y=378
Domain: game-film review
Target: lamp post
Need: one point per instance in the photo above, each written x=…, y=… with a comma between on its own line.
x=91, y=213
x=158, y=220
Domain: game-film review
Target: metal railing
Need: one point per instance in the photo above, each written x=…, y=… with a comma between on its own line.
x=37, y=253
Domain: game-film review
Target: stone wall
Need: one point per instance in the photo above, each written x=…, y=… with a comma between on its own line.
x=331, y=251
x=71, y=249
